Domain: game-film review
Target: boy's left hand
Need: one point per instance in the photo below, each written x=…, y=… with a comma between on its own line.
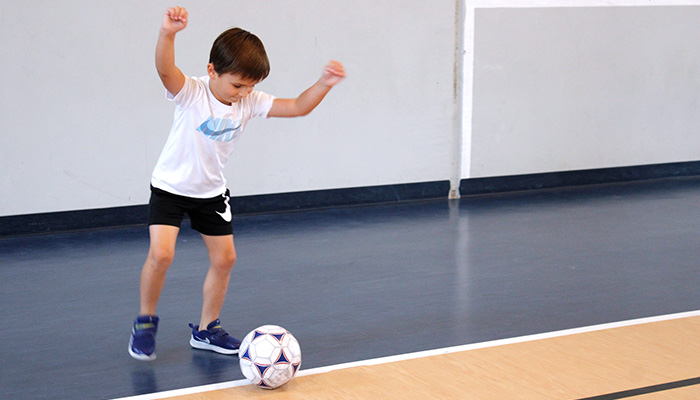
x=333, y=73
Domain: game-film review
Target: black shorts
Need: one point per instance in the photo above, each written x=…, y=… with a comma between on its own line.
x=208, y=216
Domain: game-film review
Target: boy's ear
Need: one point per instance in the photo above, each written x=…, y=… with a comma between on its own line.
x=210, y=70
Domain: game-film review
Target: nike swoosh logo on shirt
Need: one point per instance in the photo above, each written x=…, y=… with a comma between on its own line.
x=209, y=132
x=225, y=134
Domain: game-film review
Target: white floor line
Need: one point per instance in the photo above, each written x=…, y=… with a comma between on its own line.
x=427, y=353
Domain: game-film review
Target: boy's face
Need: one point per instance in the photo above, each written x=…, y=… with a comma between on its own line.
x=229, y=88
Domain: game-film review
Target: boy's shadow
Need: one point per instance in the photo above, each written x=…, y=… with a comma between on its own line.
x=216, y=368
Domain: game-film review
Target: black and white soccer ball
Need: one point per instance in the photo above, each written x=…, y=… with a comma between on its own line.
x=270, y=356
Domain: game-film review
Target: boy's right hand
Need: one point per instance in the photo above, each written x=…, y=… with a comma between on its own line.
x=174, y=20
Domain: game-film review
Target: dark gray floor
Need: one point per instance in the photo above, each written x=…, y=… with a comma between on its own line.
x=351, y=283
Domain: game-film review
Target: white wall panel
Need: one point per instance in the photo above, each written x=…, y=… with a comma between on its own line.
x=83, y=116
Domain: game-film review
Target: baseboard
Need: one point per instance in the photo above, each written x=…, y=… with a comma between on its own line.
x=479, y=186
x=29, y=224
x=245, y=205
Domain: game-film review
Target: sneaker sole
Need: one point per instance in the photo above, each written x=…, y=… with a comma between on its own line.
x=141, y=357
x=206, y=346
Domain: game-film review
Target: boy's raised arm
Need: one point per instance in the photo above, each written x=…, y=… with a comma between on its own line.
x=311, y=97
x=174, y=20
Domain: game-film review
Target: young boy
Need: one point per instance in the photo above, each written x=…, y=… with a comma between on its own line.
x=210, y=114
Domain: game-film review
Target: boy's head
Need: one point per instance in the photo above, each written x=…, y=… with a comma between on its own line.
x=239, y=52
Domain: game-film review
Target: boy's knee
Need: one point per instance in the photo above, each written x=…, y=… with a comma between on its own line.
x=161, y=257
x=230, y=260
x=225, y=261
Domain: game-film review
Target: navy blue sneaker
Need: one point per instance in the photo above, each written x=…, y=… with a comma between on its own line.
x=142, y=345
x=214, y=338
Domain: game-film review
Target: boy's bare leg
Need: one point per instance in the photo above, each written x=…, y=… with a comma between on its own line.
x=160, y=256
x=222, y=255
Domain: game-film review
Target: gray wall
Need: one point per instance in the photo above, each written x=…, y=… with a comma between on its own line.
x=560, y=89
x=83, y=116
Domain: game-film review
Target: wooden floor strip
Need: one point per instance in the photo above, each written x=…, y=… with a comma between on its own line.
x=646, y=361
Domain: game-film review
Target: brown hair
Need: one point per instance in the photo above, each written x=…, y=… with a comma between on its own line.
x=237, y=51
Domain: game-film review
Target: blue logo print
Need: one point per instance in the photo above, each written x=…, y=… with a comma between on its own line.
x=219, y=129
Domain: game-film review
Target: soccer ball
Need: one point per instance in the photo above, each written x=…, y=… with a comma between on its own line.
x=270, y=356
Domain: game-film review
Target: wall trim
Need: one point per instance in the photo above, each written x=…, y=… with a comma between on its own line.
x=549, y=180
x=66, y=221
x=18, y=225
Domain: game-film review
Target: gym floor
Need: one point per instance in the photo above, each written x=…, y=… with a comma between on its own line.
x=352, y=284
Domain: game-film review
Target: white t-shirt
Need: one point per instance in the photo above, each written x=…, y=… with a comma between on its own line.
x=202, y=138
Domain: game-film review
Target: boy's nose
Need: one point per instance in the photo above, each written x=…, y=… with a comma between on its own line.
x=243, y=93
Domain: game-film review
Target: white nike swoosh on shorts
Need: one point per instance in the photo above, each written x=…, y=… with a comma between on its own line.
x=226, y=215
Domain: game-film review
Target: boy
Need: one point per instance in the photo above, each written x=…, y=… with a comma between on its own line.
x=210, y=114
